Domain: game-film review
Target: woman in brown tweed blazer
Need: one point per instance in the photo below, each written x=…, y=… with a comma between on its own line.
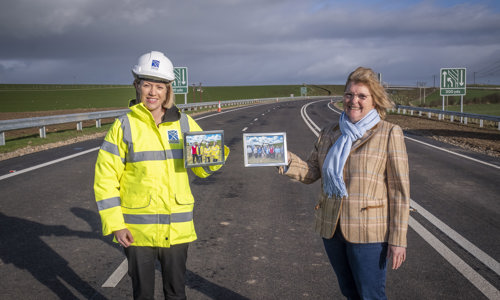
x=363, y=208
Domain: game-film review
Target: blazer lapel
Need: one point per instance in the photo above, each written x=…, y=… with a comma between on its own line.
x=368, y=134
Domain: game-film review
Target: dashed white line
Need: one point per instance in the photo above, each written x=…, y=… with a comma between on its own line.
x=244, y=129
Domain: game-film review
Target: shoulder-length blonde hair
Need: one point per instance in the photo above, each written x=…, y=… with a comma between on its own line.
x=367, y=77
x=169, y=102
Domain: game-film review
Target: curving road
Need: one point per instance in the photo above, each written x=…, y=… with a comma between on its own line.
x=255, y=237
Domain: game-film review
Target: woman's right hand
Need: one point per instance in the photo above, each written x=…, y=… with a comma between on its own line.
x=124, y=237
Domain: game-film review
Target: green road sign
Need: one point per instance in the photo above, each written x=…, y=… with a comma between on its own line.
x=303, y=91
x=452, y=81
x=180, y=84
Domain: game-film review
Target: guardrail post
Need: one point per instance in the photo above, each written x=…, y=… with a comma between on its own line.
x=420, y=113
x=498, y=125
x=43, y=132
x=2, y=138
x=481, y=123
x=451, y=118
x=79, y=126
x=98, y=123
x=465, y=120
x=429, y=114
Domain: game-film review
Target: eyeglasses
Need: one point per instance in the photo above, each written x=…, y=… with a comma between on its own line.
x=350, y=96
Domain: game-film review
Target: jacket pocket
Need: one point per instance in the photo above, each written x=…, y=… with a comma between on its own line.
x=184, y=199
x=132, y=201
x=372, y=205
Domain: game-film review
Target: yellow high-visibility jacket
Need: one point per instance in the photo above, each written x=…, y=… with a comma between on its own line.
x=215, y=149
x=141, y=182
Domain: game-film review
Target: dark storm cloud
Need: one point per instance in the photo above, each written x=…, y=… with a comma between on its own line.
x=230, y=42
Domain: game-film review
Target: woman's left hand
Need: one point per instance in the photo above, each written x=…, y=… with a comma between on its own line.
x=398, y=255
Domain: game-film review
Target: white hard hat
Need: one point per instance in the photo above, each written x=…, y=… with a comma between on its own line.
x=154, y=65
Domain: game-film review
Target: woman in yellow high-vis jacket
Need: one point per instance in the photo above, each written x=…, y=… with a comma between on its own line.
x=141, y=185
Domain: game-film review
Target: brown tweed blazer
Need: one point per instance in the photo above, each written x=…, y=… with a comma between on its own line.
x=377, y=180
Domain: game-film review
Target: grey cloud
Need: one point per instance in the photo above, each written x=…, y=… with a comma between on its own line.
x=243, y=42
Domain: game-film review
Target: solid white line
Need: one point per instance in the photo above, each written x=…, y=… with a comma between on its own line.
x=477, y=280
x=117, y=275
x=308, y=121
x=455, y=236
x=47, y=163
x=457, y=154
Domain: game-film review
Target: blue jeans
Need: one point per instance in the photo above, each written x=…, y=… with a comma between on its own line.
x=360, y=268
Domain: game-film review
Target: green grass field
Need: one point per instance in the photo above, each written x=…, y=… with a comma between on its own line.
x=492, y=109
x=22, y=98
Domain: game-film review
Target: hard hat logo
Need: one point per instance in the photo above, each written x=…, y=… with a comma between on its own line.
x=155, y=66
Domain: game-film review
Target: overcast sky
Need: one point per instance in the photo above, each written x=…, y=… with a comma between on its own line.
x=249, y=42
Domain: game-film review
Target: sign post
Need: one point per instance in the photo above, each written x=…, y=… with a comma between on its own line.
x=180, y=84
x=453, y=83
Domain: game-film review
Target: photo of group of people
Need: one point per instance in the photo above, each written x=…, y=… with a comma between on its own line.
x=265, y=149
x=204, y=148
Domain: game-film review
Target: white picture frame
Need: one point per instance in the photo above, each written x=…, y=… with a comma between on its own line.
x=210, y=148
x=265, y=149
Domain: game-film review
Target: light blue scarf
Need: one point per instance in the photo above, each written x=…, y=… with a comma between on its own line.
x=333, y=179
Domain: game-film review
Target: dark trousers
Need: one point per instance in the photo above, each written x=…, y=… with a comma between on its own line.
x=141, y=269
x=360, y=268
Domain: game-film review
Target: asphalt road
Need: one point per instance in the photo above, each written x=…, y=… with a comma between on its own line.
x=255, y=236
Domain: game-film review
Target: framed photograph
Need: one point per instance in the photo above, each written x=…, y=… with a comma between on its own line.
x=265, y=149
x=203, y=148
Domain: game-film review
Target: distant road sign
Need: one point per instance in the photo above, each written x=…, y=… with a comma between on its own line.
x=180, y=84
x=303, y=91
x=452, y=81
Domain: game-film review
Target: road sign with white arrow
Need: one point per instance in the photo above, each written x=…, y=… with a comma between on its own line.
x=452, y=82
x=180, y=84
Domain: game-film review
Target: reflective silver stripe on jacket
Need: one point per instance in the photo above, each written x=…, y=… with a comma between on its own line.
x=108, y=203
x=133, y=156
x=184, y=123
x=111, y=148
x=163, y=219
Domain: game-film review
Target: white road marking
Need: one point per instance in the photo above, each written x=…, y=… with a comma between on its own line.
x=117, y=275
x=468, y=272
x=244, y=129
x=477, y=280
x=47, y=163
x=454, y=153
x=489, y=261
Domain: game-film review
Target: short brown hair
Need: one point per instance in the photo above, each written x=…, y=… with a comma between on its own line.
x=367, y=77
